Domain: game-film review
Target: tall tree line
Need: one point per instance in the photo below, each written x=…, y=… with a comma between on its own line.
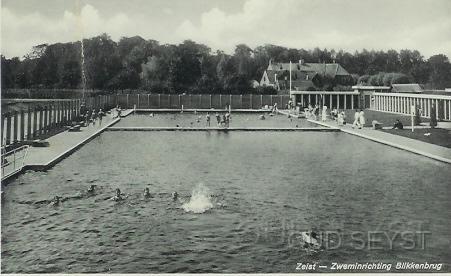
x=190, y=67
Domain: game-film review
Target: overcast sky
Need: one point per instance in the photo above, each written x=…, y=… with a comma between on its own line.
x=221, y=24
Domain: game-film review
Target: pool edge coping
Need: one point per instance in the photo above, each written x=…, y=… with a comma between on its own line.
x=65, y=154
x=388, y=143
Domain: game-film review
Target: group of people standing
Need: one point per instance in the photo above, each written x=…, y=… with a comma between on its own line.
x=223, y=120
x=359, y=119
x=91, y=117
x=311, y=111
x=335, y=114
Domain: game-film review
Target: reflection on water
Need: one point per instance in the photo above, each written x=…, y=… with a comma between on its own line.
x=260, y=191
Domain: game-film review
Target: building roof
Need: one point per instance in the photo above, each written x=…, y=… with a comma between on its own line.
x=331, y=69
x=407, y=88
x=302, y=85
x=370, y=87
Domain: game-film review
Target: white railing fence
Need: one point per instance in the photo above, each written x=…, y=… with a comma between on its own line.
x=401, y=103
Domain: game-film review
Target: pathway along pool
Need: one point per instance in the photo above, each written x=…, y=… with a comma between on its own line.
x=262, y=188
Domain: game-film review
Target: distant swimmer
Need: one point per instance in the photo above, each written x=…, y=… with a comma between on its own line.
x=262, y=117
x=151, y=115
x=91, y=190
x=118, y=196
x=199, y=118
x=175, y=196
x=147, y=193
x=310, y=240
x=56, y=201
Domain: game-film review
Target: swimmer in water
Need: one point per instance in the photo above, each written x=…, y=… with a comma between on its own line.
x=175, y=196
x=310, y=239
x=56, y=201
x=91, y=190
x=147, y=193
x=118, y=196
x=262, y=117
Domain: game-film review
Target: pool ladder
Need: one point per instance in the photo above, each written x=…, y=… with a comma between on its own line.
x=13, y=160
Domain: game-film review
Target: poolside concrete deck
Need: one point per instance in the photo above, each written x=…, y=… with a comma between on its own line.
x=63, y=144
x=426, y=149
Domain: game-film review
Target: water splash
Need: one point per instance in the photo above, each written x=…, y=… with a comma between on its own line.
x=200, y=200
x=80, y=26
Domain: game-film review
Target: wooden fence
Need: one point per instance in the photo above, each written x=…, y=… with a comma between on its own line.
x=197, y=101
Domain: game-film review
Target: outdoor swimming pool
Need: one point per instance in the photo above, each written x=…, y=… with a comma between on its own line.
x=189, y=119
x=263, y=187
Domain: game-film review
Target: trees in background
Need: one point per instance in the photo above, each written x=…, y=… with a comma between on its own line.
x=190, y=67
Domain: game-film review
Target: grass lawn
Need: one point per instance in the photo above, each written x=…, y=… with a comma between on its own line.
x=387, y=119
x=439, y=136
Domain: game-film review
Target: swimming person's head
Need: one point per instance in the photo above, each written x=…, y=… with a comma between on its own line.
x=56, y=200
x=174, y=195
x=91, y=188
x=146, y=191
x=118, y=192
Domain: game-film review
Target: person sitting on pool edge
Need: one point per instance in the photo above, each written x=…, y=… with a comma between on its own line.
x=118, y=196
x=147, y=193
x=398, y=125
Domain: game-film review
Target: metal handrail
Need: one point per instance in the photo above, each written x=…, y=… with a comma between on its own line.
x=18, y=161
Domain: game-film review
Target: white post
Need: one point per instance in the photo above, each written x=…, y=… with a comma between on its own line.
x=344, y=107
x=397, y=104
x=290, y=77
x=429, y=107
x=436, y=109
x=352, y=101
x=338, y=101
x=330, y=101
x=403, y=107
x=412, y=112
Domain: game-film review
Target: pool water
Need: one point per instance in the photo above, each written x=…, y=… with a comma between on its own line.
x=189, y=119
x=253, y=192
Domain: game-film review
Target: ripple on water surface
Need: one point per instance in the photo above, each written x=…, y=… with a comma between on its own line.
x=242, y=200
